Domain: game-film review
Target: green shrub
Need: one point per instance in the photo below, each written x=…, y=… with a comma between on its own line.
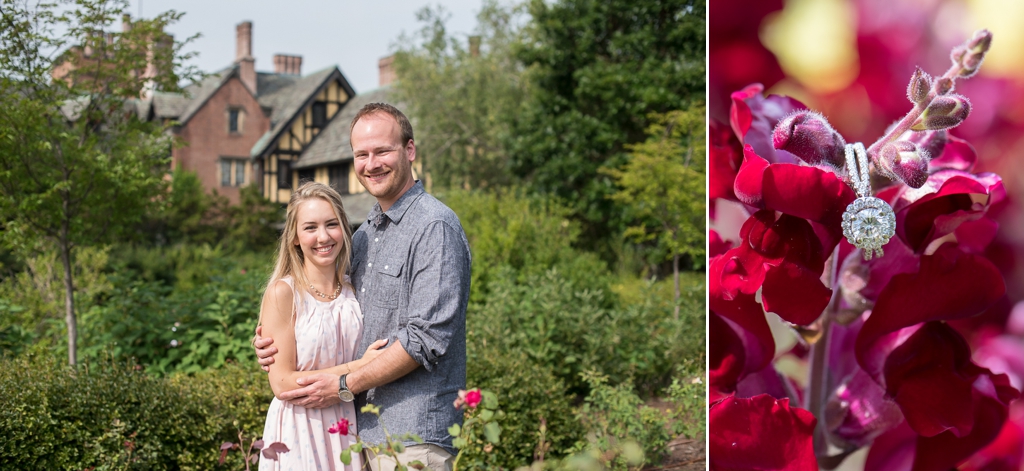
x=571, y=329
x=187, y=329
x=107, y=413
x=688, y=395
x=507, y=228
x=528, y=392
x=614, y=416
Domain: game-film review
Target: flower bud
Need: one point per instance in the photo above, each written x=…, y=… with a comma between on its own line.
x=944, y=85
x=904, y=161
x=944, y=112
x=974, y=52
x=957, y=55
x=932, y=142
x=808, y=135
x=919, y=86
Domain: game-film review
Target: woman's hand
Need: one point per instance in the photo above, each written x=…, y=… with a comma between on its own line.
x=373, y=351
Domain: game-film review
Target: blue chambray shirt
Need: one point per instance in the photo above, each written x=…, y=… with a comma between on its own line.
x=411, y=273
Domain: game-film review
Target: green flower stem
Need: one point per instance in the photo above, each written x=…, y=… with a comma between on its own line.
x=818, y=383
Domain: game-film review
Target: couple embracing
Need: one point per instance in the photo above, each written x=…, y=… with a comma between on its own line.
x=378, y=316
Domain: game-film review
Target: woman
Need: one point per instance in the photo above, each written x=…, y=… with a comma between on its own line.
x=311, y=312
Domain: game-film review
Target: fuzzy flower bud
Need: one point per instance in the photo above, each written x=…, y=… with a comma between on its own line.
x=932, y=142
x=974, y=52
x=944, y=85
x=904, y=161
x=944, y=112
x=808, y=135
x=919, y=86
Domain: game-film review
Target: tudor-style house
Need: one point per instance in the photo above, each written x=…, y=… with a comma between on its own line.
x=242, y=127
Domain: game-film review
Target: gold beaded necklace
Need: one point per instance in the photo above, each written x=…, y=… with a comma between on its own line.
x=325, y=295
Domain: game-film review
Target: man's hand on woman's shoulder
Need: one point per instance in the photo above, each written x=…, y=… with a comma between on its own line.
x=265, y=350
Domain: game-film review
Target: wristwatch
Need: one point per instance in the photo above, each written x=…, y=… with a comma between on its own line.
x=343, y=392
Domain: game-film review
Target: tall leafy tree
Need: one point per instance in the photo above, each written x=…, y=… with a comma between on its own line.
x=598, y=70
x=76, y=165
x=462, y=94
x=663, y=188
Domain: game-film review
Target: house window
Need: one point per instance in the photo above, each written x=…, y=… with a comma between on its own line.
x=225, y=172
x=338, y=175
x=319, y=114
x=235, y=118
x=239, y=172
x=232, y=172
x=306, y=175
x=284, y=174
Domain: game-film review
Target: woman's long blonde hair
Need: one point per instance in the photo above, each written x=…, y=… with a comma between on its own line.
x=289, y=256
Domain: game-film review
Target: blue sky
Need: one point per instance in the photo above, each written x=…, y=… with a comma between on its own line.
x=350, y=34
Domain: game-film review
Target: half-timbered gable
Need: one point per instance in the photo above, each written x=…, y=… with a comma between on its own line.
x=300, y=114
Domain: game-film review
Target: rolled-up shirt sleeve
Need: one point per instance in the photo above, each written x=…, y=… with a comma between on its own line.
x=438, y=294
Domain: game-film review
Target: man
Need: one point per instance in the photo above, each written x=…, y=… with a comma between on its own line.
x=411, y=274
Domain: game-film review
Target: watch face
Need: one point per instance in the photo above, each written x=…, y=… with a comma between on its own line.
x=346, y=395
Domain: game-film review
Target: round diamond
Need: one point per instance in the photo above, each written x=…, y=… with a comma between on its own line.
x=868, y=224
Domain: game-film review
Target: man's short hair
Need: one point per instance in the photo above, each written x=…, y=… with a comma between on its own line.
x=374, y=108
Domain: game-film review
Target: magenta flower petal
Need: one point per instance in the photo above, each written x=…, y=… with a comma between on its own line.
x=724, y=159
x=783, y=255
x=1006, y=452
x=946, y=451
x=795, y=293
x=749, y=182
x=716, y=245
x=761, y=433
x=859, y=410
x=931, y=377
x=948, y=199
x=949, y=285
x=893, y=450
x=957, y=154
x=975, y=236
x=743, y=311
x=725, y=355
x=807, y=192
x=753, y=118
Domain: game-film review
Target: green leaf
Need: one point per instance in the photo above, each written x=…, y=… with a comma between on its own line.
x=356, y=448
x=346, y=457
x=490, y=400
x=399, y=447
x=459, y=443
x=454, y=430
x=493, y=432
x=487, y=415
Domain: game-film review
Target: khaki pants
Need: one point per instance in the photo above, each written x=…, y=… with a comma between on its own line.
x=435, y=457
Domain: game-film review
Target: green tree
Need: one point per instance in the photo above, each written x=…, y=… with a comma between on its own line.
x=462, y=95
x=663, y=187
x=598, y=69
x=77, y=167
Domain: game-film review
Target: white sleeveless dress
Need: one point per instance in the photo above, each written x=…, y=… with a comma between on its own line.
x=326, y=334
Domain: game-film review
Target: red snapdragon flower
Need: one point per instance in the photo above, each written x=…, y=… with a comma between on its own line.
x=901, y=379
x=761, y=433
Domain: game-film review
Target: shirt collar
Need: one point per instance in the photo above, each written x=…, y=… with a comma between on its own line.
x=398, y=209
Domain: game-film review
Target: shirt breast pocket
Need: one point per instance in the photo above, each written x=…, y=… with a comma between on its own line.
x=389, y=283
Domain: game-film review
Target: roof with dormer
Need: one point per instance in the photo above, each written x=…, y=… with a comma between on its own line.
x=332, y=144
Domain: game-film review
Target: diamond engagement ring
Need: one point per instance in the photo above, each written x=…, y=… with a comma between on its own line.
x=868, y=222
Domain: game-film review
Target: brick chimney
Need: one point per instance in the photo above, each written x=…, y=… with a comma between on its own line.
x=243, y=55
x=387, y=71
x=287, y=64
